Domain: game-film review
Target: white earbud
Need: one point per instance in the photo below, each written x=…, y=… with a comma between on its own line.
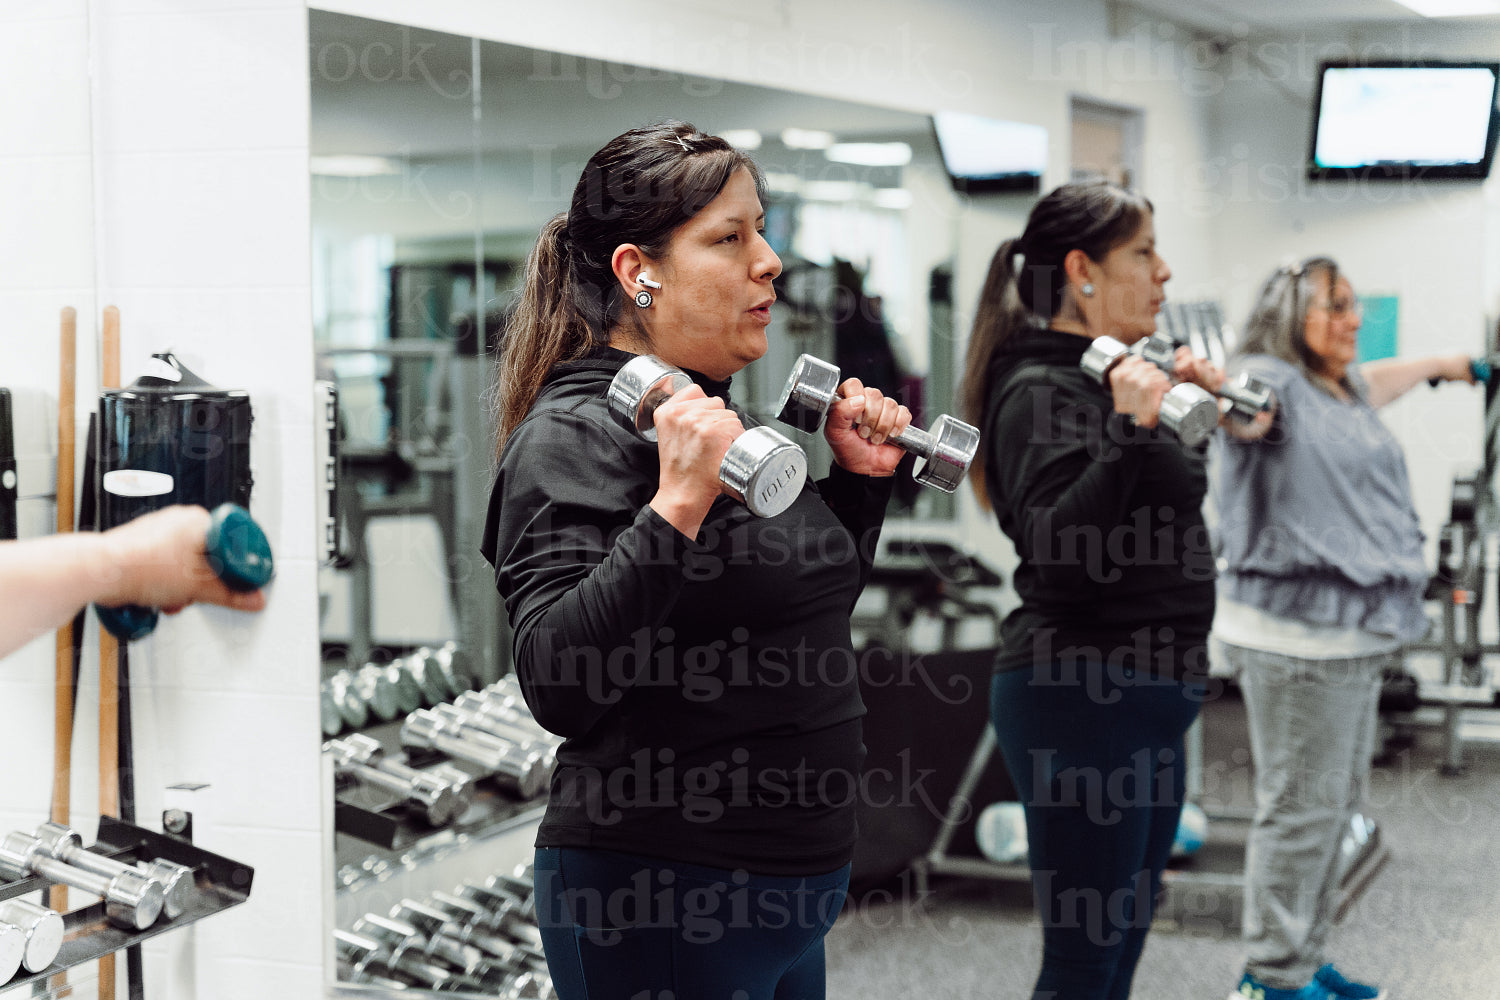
x=647, y=281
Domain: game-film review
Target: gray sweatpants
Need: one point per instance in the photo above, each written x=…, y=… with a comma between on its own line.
x=1312, y=734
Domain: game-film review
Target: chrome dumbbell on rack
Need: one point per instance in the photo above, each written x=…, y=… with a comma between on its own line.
x=1189, y=411
x=505, y=709
x=515, y=769
x=501, y=934
x=427, y=933
x=467, y=923
x=762, y=469
x=472, y=721
x=439, y=798
x=946, y=450
x=362, y=961
x=41, y=933
x=64, y=844
x=131, y=900
x=366, y=953
x=352, y=711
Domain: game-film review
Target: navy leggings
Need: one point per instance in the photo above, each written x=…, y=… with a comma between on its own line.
x=622, y=927
x=1098, y=764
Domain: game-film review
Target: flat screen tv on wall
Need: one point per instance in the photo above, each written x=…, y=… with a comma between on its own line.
x=1404, y=120
x=986, y=155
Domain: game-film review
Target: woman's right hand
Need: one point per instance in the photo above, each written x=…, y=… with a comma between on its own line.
x=1138, y=387
x=693, y=431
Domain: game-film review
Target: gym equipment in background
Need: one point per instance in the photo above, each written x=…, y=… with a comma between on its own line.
x=762, y=469
x=946, y=450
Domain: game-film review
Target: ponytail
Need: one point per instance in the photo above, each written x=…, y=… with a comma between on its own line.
x=999, y=314
x=544, y=329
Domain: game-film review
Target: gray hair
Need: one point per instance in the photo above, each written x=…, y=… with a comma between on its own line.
x=1278, y=323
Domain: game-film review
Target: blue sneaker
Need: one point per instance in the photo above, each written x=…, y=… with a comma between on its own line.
x=1345, y=988
x=1252, y=989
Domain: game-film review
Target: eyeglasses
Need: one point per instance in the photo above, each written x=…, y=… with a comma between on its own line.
x=1342, y=307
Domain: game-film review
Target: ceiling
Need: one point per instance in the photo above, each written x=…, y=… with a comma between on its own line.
x=389, y=89
x=1279, y=16
x=394, y=90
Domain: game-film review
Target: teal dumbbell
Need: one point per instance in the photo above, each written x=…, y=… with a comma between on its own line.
x=238, y=552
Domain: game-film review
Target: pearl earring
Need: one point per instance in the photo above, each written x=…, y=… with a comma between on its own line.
x=1088, y=290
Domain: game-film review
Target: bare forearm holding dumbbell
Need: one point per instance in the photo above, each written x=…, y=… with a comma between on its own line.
x=158, y=560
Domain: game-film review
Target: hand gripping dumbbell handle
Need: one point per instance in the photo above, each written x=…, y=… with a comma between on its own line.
x=1188, y=410
x=131, y=899
x=238, y=553
x=910, y=438
x=762, y=469
x=949, y=448
x=65, y=844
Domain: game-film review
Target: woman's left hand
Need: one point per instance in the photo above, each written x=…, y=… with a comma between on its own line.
x=858, y=426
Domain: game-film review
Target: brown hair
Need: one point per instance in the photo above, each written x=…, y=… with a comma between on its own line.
x=1093, y=216
x=639, y=188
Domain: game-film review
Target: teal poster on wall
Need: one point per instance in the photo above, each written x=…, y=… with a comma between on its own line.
x=1378, y=330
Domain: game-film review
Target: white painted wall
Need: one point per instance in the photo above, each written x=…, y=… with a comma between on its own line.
x=176, y=188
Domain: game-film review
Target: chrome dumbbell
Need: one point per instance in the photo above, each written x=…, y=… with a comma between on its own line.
x=422, y=667
x=458, y=667
x=1246, y=397
x=375, y=686
x=370, y=753
x=131, y=899
x=504, y=976
x=397, y=934
x=946, y=450
x=504, y=707
x=502, y=933
x=479, y=725
x=762, y=469
x=351, y=707
x=409, y=692
x=64, y=844
x=434, y=796
x=363, y=961
x=518, y=770
x=435, y=920
x=329, y=719
x=1189, y=411
x=41, y=930
x=363, y=951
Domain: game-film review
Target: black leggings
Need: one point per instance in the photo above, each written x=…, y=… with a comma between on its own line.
x=621, y=927
x=1098, y=765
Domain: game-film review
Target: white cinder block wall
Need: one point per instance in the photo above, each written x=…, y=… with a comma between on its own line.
x=176, y=188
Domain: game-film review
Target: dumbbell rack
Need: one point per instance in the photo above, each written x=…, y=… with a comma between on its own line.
x=382, y=820
x=89, y=936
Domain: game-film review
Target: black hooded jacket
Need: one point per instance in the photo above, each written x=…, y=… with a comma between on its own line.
x=707, y=687
x=1106, y=517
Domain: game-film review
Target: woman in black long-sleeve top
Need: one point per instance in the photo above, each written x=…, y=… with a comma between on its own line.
x=1100, y=669
x=697, y=658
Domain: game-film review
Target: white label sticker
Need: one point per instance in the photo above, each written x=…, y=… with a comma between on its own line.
x=137, y=483
x=8, y=480
x=157, y=368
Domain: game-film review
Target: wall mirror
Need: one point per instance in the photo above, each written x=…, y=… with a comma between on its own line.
x=435, y=160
